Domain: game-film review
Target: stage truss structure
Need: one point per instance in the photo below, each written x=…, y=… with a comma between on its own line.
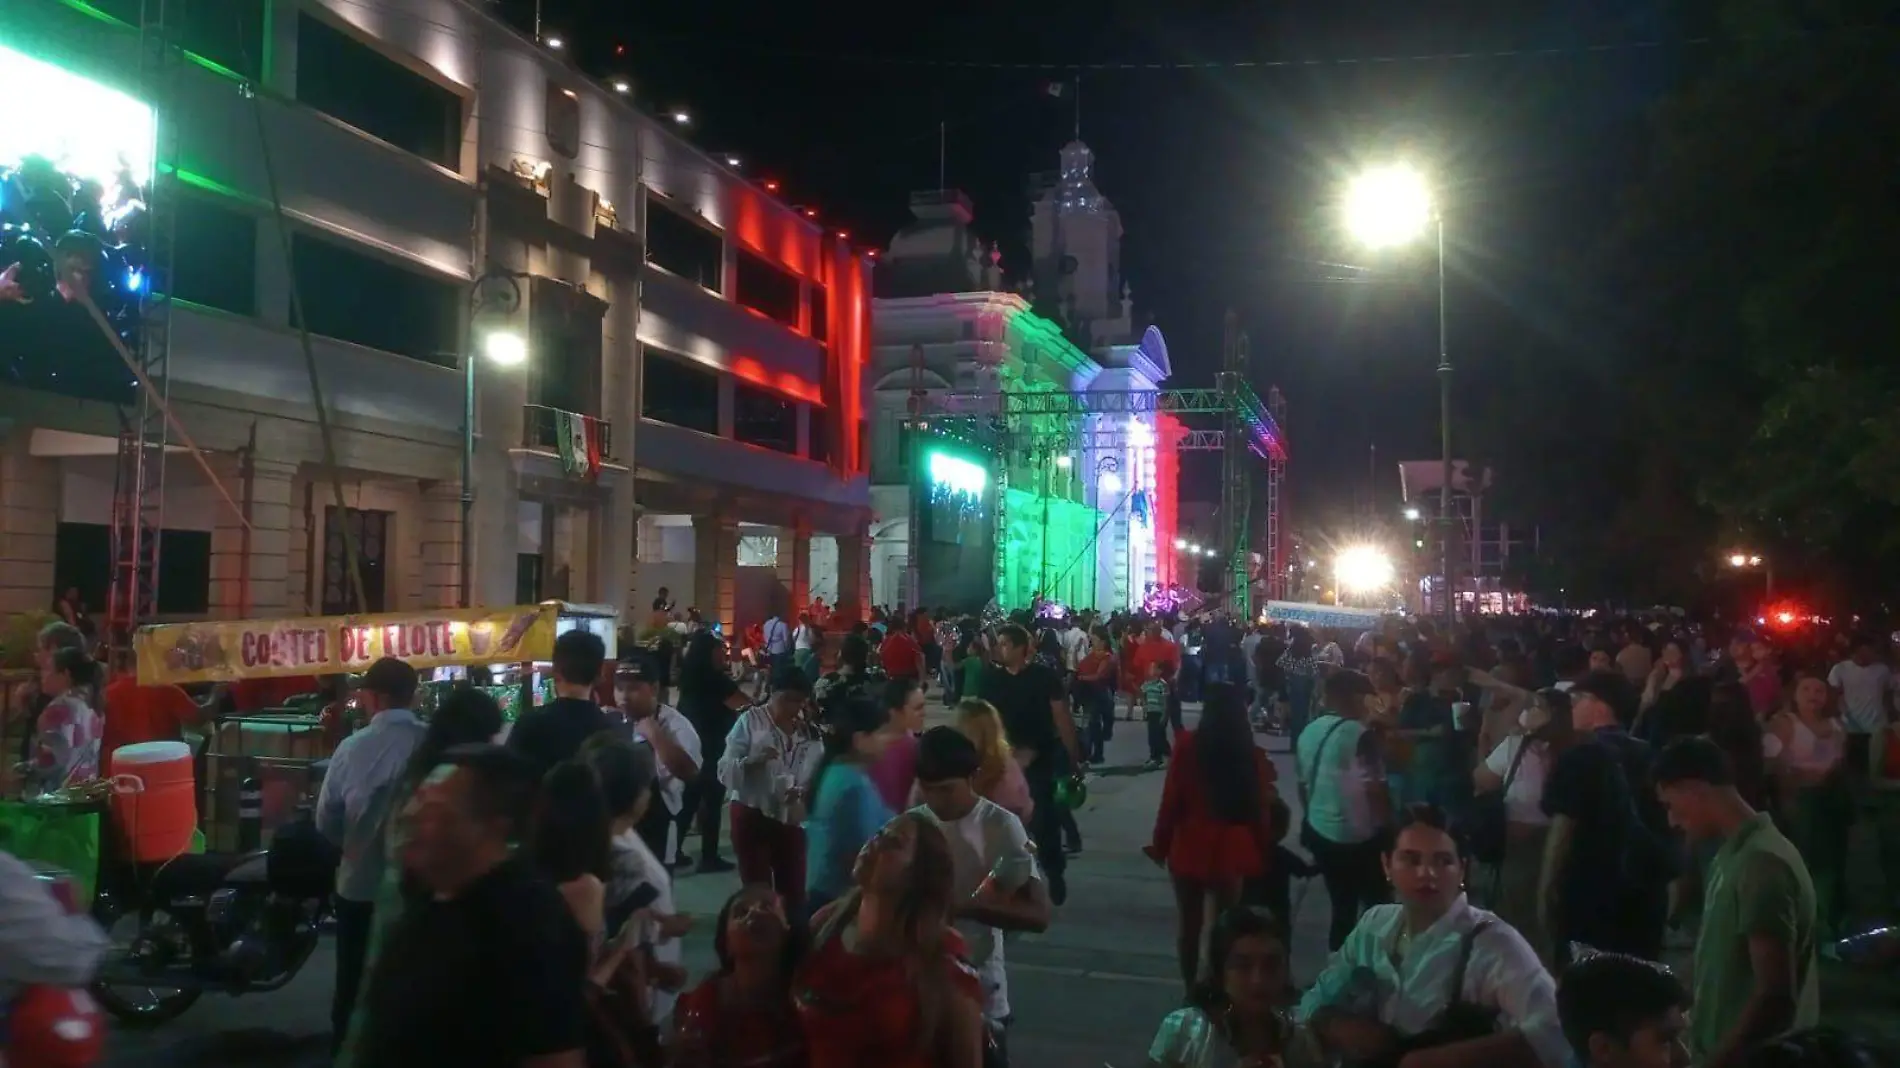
x=1032, y=425
x=138, y=497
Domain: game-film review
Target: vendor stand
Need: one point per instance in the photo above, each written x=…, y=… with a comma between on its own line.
x=278, y=748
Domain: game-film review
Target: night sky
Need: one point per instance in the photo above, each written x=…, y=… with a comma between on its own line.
x=1226, y=175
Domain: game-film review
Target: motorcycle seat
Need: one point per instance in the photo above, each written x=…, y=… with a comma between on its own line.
x=198, y=874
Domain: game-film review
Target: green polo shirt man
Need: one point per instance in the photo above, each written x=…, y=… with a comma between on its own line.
x=1756, y=968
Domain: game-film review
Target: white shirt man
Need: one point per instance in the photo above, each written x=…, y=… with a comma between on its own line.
x=1075, y=645
x=987, y=841
x=996, y=882
x=1866, y=688
x=778, y=636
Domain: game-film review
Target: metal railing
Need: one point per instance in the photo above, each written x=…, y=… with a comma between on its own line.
x=541, y=429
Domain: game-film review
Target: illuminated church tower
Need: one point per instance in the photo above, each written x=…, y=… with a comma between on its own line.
x=1076, y=248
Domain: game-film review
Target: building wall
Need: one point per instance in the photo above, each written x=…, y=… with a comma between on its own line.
x=396, y=420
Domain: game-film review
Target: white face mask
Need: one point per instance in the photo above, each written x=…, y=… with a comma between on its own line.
x=1533, y=718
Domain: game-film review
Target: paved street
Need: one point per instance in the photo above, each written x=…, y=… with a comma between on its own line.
x=1086, y=993
x=1089, y=992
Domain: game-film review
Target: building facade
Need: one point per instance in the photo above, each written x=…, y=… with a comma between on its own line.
x=1077, y=501
x=439, y=177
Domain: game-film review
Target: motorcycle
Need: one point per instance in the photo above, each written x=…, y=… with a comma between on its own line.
x=229, y=923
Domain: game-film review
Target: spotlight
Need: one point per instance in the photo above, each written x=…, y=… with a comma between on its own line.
x=556, y=43
x=622, y=86
x=681, y=118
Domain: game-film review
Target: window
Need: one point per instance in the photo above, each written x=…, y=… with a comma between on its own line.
x=818, y=436
x=82, y=559
x=675, y=390
x=564, y=339
x=820, y=313
x=215, y=261
x=350, y=81
x=371, y=532
x=359, y=298
x=563, y=120
x=764, y=418
x=764, y=288
x=682, y=246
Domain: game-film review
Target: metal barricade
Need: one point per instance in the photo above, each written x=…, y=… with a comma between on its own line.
x=284, y=752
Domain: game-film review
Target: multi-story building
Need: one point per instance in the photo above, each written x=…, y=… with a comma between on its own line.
x=1077, y=504
x=435, y=175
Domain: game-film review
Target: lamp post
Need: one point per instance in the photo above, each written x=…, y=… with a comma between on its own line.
x=1387, y=207
x=496, y=293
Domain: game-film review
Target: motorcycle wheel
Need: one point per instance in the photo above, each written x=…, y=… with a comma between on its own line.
x=135, y=1006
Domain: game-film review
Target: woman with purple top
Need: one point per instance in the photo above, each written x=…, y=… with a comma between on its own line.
x=895, y=770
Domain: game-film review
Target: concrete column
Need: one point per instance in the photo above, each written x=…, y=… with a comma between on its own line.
x=29, y=520
x=619, y=391
x=252, y=581
x=716, y=569
x=854, y=575
x=794, y=565
x=440, y=524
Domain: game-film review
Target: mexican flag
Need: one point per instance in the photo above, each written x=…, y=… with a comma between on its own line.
x=579, y=439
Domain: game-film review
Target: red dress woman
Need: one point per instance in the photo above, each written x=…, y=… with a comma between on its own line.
x=742, y=1015
x=884, y=985
x=1212, y=831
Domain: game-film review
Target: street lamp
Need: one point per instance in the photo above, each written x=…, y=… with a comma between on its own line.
x=1363, y=569
x=493, y=300
x=1387, y=207
x=1411, y=515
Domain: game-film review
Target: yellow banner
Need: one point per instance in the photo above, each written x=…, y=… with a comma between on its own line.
x=228, y=650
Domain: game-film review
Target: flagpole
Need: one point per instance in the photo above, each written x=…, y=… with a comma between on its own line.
x=1078, y=106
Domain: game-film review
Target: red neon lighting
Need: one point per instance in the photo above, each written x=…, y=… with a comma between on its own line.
x=1166, y=505
x=778, y=381
x=764, y=225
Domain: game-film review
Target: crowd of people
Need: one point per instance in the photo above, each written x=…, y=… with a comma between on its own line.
x=1591, y=786
x=1507, y=823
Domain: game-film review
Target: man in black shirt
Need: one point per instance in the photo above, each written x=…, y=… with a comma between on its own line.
x=554, y=732
x=1610, y=857
x=486, y=967
x=1034, y=705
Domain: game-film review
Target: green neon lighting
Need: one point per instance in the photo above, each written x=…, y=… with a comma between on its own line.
x=110, y=19
x=1050, y=547
x=957, y=475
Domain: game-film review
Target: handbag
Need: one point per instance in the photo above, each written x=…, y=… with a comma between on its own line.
x=1308, y=835
x=1489, y=816
x=1460, y=1021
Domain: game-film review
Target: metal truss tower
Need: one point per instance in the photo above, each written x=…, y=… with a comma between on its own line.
x=1028, y=424
x=139, y=492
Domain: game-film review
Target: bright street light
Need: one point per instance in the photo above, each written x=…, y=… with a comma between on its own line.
x=1411, y=515
x=1180, y=543
x=1364, y=569
x=1388, y=206
x=1211, y=552
x=505, y=348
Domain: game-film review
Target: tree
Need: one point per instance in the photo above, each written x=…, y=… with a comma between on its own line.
x=1760, y=252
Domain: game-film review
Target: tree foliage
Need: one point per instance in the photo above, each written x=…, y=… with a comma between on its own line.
x=1748, y=306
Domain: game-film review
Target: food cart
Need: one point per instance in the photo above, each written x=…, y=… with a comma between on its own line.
x=278, y=748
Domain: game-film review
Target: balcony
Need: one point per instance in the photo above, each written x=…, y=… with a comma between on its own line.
x=540, y=429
